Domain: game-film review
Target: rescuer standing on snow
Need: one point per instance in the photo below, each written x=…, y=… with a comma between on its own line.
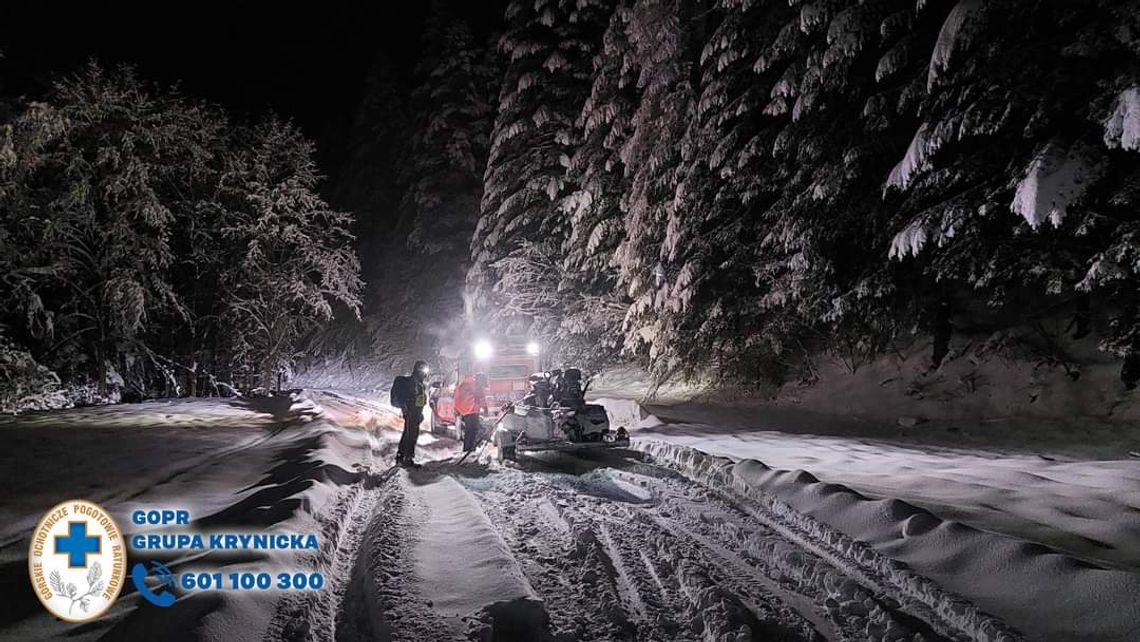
x=470, y=401
x=409, y=394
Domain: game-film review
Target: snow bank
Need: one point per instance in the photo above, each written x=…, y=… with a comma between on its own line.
x=897, y=546
x=461, y=562
x=119, y=453
x=627, y=413
x=362, y=376
x=1083, y=508
x=634, y=382
x=1001, y=391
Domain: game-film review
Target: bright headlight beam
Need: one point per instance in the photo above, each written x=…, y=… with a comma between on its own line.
x=483, y=350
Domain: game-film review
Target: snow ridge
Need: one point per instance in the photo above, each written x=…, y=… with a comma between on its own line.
x=950, y=614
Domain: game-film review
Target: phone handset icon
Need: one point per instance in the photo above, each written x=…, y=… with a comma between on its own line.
x=161, y=597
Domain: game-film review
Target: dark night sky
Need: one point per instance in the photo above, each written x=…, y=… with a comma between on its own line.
x=306, y=61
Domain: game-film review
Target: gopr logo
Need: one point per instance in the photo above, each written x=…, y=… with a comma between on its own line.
x=77, y=560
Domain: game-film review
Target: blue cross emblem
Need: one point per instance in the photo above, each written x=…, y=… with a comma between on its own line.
x=77, y=545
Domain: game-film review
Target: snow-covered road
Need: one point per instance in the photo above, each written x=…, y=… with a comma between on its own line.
x=605, y=547
x=660, y=543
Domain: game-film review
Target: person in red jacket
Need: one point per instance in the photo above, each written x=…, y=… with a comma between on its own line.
x=470, y=401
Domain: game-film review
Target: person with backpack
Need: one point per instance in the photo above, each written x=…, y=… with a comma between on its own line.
x=470, y=401
x=409, y=394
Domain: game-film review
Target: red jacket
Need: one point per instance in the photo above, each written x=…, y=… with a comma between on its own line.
x=469, y=397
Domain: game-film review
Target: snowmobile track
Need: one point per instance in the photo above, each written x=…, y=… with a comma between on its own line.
x=654, y=547
x=890, y=585
x=313, y=616
x=668, y=556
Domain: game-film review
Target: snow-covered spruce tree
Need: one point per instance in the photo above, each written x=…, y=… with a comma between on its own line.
x=826, y=287
x=367, y=184
x=749, y=216
x=593, y=304
x=295, y=261
x=1111, y=223
x=26, y=384
x=94, y=182
x=549, y=46
x=1017, y=182
x=442, y=181
x=453, y=108
x=724, y=185
x=435, y=142
x=665, y=38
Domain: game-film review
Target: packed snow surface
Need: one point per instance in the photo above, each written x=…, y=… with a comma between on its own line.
x=1019, y=533
x=662, y=542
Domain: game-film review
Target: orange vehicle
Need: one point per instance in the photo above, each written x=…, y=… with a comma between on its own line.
x=508, y=365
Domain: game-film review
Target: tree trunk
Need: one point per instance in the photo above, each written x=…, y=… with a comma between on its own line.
x=266, y=373
x=942, y=331
x=101, y=367
x=1130, y=371
x=1082, y=318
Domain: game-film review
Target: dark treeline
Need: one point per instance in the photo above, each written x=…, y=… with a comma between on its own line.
x=727, y=184
x=149, y=246
x=744, y=184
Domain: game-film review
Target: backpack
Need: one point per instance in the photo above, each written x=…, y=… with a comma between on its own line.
x=401, y=394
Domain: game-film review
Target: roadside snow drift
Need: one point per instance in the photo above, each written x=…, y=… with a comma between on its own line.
x=1040, y=592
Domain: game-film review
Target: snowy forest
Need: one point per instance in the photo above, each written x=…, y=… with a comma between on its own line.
x=726, y=186
x=738, y=186
x=152, y=248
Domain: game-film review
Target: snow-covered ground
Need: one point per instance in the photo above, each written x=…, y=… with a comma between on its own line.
x=1047, y=537
x=661, y=543
x=1088, y=508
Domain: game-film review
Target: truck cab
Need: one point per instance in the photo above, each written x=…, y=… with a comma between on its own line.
x=508, y=365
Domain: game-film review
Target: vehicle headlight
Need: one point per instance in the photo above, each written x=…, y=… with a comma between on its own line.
x=483, y=350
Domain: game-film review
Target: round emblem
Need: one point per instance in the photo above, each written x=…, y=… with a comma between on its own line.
x=77, y=560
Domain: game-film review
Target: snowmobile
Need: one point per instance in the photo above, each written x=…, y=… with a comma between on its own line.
x=554, y=415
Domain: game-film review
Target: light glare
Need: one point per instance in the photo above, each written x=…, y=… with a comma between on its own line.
x=483, y=350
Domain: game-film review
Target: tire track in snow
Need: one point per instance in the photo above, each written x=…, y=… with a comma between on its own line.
x=685, y=559
x=380, y=602
x=751, y=552
x=551, y=547
x=313, y=615
x=618, y=549
x=600, y=565
x=627, y=588
x=914, y=598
